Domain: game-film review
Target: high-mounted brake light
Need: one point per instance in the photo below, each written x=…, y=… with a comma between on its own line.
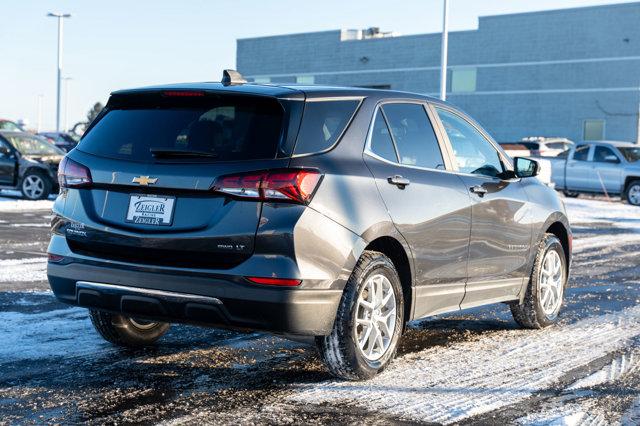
x=182, y=93
x=284, y=282
x=72, y=174
x=290, y=185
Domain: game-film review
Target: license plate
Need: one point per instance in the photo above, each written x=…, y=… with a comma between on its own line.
x=154, y=210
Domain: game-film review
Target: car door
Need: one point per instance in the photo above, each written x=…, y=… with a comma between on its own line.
x=428, y=204
x=579, y=169
x=606, y=170
x=7, y=164
x=501, y=227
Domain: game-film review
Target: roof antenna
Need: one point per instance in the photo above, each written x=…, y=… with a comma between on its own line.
x=232, y=77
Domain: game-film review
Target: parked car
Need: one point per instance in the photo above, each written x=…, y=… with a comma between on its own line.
x=599, y=167
x=11, y=126
x=337, y=213
x=28, y=163
x=64, y=141
x=537, y=147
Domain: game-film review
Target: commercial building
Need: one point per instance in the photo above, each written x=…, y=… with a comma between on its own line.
x=571, y=73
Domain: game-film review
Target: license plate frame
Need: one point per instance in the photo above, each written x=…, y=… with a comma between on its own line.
x=150, y=209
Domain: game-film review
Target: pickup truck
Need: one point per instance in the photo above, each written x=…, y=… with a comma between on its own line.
x=599, y=167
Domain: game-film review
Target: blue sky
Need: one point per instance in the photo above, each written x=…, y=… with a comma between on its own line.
x=116, y=44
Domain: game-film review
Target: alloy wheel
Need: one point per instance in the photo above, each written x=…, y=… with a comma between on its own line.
x=375, y=317
x=33, y=186
x=633, y=195
x=551, y=284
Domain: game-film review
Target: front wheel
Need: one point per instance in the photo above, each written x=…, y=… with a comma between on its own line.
x=124, y=331
x=545, y=292
x=369, y=321
x=632, y=193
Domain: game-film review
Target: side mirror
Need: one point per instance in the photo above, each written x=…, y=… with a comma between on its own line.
x=5, y=152
x=611, y=159
x=525, y=167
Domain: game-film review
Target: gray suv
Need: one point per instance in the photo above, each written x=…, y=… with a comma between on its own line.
x=337, y=213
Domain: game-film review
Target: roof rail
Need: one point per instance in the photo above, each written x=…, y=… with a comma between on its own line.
x=231, y=77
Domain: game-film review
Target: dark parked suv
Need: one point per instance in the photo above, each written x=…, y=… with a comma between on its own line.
x=338, y=213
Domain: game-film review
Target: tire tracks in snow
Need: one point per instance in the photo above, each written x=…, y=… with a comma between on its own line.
x=450, y=384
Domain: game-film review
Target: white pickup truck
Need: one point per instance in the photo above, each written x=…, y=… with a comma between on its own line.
x=599, y=167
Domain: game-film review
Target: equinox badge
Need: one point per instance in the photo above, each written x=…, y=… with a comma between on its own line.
x=144, y=180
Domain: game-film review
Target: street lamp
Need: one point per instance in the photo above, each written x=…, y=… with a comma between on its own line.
x=66, y=102
x=444, y=48
x=60, y=17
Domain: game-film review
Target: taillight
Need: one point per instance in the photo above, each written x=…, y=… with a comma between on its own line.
x=291, y=185
x=72, y=174
x=283, y=282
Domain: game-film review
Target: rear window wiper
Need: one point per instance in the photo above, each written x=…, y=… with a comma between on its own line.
x=177, y=153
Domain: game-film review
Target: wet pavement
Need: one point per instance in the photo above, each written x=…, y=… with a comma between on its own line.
x=55, y=369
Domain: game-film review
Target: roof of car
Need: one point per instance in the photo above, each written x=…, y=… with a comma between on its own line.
x=620, y=144
x=280, y=90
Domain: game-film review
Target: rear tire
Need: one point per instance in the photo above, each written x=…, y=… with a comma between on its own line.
x=369, y=321
x=35, y=185
x=632, y=193
x=571, y=194
x=124, y=331
x=548, y=281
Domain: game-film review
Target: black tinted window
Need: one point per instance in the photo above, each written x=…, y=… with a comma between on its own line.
x=322, y=124
x=227, y=128
x=602, y=154
x=381, y=143
x=414, y=137
x=581, y=153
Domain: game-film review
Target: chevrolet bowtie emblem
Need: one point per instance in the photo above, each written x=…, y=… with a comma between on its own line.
x=144, y=180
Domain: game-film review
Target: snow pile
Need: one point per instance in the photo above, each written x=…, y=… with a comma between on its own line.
x=448, y=384
x=23, y=270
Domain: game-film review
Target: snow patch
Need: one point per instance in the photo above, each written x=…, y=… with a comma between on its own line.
x=64, y=332
x=618, y=368
x=23, y=270
x=13, y=205
x=595, y=211
x=449, y=384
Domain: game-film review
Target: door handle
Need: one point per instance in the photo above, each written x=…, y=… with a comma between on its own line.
x=398, y=181
x=478, y=189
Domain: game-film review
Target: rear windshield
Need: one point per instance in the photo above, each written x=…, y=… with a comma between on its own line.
x=323, y=122
x=225, y=128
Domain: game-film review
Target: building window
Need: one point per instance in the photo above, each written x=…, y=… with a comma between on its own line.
x=463, y=80
x=262, y=80
x=593, y=130
x=305, y=79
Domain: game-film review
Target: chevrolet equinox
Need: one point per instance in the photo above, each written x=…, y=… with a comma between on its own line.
x=337, y=213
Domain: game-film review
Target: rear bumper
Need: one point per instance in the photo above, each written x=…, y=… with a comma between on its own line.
x=221, y=301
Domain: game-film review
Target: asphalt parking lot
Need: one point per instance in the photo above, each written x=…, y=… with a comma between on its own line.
x=472, y=367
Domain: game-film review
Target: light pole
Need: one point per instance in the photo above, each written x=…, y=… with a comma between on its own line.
x=66, y=102
x=444, y=48
x=60, y=17
x=40, y=112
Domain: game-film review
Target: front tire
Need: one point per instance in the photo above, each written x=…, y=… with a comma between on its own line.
x=35, y=185
x=632, y=193
x=128, y=332
x=545, y=292
x=571, y=194
x=369, y=321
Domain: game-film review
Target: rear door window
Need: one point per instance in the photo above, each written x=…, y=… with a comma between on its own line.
x=581, y=153
x=413, y=135
x=323, y=122
x=224, y=127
